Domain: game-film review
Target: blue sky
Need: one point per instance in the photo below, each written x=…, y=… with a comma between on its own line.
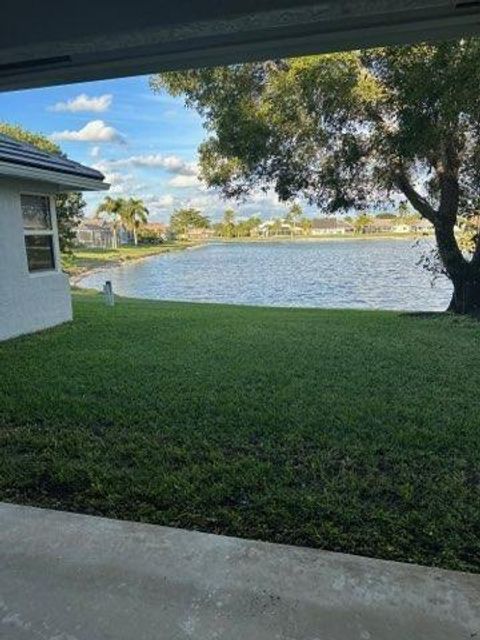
x=145, y=143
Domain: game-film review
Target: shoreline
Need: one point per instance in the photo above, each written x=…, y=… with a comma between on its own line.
x=78, y=272
x=172, y=292
x=325, y=238
x=89, y=261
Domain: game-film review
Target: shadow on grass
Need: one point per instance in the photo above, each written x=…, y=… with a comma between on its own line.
x=443, y=316
x=427, y=315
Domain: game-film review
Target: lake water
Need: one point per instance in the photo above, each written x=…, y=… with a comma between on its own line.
x=370, y=274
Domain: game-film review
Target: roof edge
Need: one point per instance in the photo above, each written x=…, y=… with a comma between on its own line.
x=70, y=181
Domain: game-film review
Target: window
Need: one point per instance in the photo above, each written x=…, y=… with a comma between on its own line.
x=38, y=229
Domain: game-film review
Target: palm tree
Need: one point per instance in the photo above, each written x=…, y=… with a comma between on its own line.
x=112, y=207
x=294, y=213
x=134, y=214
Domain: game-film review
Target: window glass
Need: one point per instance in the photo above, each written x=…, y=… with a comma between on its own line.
x=36, y=212
x=40, y=255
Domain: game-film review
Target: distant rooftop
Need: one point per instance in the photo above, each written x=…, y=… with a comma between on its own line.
x=28, y=159
x=329, y=223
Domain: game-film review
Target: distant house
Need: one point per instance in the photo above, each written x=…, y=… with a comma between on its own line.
x=153, y=232
x=381, y=225
x=330, y=226
x=97, y=233
x=276, y=228
x=402, y=227
x=422, y=226
x=398, y=225
x=157, y=228
x=200, y=234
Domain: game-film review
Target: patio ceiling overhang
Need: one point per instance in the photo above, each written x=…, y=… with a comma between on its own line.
x=59, y=42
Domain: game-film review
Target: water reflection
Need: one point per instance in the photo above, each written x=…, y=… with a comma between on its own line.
x=346, y=274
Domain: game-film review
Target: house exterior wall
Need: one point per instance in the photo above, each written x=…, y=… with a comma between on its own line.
x=402, y=228
x=328, y=231
x=29, y=302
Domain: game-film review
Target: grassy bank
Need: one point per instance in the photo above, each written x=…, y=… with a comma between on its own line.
x=81, y=261
x=346, y=430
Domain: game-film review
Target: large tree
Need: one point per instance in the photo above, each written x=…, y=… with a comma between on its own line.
x=228, y=226
x=69, y=206
x=351, y=130
x=182, y=220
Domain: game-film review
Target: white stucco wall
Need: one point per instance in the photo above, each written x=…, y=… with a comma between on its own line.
x=28, y=301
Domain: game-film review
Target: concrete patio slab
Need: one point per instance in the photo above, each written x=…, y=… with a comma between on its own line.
x=65, y=576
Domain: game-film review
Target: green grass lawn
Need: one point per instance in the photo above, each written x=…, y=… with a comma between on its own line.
x=345, y=430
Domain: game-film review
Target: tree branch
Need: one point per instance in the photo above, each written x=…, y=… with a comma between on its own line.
x=417, y=201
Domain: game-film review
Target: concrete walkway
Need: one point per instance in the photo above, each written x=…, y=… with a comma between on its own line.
x=71, y=577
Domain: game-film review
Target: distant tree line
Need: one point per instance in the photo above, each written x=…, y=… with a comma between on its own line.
x=184, y=221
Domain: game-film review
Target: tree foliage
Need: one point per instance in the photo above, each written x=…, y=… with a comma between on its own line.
x=182, y=220
x=230, y=228
x=134, y=214
x=306, y=225
x=350, y=130
x=35, y=139
x=129, y=214
x=247, y=228
x=362, y=222
x=293, y=216
x=227, y=227
x=70, y=211
x=112, y=209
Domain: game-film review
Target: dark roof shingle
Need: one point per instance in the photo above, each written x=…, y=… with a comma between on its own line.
x=15, y=152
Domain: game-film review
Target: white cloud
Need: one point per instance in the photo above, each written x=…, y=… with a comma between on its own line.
x=164, y=201
x=95, y=151
x=183, y=181
x=120, y=183
x=102, y=165
x=82, y=102
x=171, y=163
x=93, y=131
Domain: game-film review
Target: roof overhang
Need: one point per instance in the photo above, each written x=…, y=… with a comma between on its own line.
x=60, y=181
x=59, y=42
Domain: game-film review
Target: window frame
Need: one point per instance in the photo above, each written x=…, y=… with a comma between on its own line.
x=52, y=233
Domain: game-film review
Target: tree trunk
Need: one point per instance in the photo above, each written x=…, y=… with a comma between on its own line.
x=466, y=295
x=464, y=275
x=135, y=237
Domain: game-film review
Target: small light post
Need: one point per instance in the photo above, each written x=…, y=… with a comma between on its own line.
x=108, y=294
